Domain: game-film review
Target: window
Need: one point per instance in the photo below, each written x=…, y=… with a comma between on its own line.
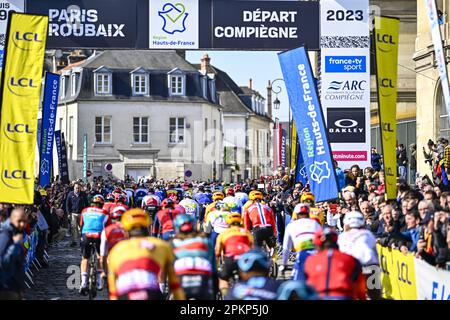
x=103, y=83
x=205, y=87
x=63, y=87
x=140, y=130
x=73, y=83
x=176, y=130
x=206, y=132
x=60, y=123
x=70, y=129
x=268, y=144
x=444, y=122
x=103, y=129
x=140, y=84
x=176, y=85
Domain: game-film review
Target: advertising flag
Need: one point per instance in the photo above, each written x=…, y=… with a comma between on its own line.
x=283, y=147
x=85, y=159
x=7, y=7
x=386, y=39
x=439, y=50
x=21, y=91
x=64, y=167
x=58, y=150
x=49, y=106
x=300, y=172
x=293, y=145
x=308, y=117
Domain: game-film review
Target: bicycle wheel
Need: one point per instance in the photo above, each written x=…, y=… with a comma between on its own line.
x=93, y=274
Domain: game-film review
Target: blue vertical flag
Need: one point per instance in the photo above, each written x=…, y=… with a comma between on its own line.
x=58, y=150
x=283, y=147
x=39, y=127
x=308, y=117
x=49, y=107
x=300, y=172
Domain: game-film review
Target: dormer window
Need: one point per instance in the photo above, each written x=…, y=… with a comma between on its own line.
x=213, y=90
x=73, y=83
x=63, y=87
x=177, y=82
x=140, y=82
x=205, y=86
x=102, y=81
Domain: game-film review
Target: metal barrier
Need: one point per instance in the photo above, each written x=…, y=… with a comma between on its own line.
x=30, y=243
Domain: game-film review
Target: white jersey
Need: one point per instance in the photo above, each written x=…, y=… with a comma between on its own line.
x=361, y=244
x=298, y=232
x=150, y=196
x=190, y=206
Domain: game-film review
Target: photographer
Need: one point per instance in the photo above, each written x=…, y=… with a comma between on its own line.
x=12, y=256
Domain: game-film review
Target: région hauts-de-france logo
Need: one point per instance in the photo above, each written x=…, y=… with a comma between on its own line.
x=174, y=16
x=319, y=171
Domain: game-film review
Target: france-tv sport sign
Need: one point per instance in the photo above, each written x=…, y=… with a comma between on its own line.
x=179, y=24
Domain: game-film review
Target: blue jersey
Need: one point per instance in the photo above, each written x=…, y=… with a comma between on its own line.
x=255, y=288
x=93, y=220
x=203, y=198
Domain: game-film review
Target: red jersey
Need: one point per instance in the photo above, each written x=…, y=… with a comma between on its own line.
x=335, y=274
x=110, y=206
x=115, y=233
x=164, y=220
x=259, y=215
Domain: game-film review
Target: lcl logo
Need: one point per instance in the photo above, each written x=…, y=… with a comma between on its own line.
x=18, y=86
x=387, y=83
x=26, y=39
x=11, y=176
x=11, y=131
x=385, y=38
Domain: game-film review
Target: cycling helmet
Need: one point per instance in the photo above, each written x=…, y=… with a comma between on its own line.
x=184, y=223
x=118, y=212
x=110, y=197
x=120, y=198
x=253, y=260
x=98, y=199
x=301, y=209
x=151, y=202
x=308, y=197
x=135, y=219
x=222, y=206
x=218, y=195
x=187, y=194
x=230, y=192
x=255, y=194
x=296, y=290
x=237, y=188
x=354, y=219
x=233, y=218
x=326, y=235
x=173, y=197
x=168, y=203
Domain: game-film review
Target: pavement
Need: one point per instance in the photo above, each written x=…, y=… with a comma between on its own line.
x=61, y=280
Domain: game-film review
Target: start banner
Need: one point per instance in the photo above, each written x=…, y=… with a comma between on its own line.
x=21, y=91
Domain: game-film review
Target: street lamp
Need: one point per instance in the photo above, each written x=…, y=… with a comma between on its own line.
x=276, y=106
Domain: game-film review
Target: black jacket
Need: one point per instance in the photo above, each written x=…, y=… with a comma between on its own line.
x=76, y=204
x=12, y=259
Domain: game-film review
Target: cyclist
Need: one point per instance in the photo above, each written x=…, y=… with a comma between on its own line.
x=335, y=275
x=120, y=201
x=241, y=197
x=112, y=234
x=217, y=196
x=110, y=202
x=299, y=235
x=93, y=221
x=216, y=221
x=190, y=206
x=260, y=219
x=315, y=213
x=232, y=243
x=203, y=199
x=164, y=219
x=135, y=263
x=129, y=191
x=195, y=263
x=296, y=290
x=255, y=285
x=139, y=195
x=151, y=204
x=360, y=243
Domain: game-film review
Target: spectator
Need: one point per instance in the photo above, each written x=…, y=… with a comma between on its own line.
x=354, y=179
x=12, y=257
x=340, y=175
x=409, y=238
x=425, y=207
x=402, y=161
x=375, y=160
x=76, y=202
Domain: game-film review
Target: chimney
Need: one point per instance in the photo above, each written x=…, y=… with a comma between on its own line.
x=181, y=53
x=269, y=100
x=250, y=84
x=76, y=56
x=206, y=64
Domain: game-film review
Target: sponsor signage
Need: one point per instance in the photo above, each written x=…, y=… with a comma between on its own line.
x=89, y=24
x=174, y=24
x=265, y=24
x=346, y=125
x=6, y=7
x=85, y=158
x=345, y=79
x=20, y=98
x=308, y=117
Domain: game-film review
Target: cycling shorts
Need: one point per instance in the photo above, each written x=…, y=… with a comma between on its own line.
x=142, y=295
x=86, y=247
x=197, y=287
x=264, y=234
x=228, y=267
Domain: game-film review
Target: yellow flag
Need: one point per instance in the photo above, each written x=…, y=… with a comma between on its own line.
x=21, y=91
x=293, y=146
x=386, y=36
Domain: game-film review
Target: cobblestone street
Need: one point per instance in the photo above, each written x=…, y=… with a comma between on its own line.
x=57, y=281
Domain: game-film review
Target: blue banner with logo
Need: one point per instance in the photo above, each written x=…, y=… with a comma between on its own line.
x=283, y=148
x=39, y=127
x=64, y=167
x=49, y=106
x=311, y=129
x=58, y=150
x=300, y=172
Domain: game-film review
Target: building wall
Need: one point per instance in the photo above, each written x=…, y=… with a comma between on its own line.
x=170, y=157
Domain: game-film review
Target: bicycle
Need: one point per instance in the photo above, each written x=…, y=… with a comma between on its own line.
x=93, y=263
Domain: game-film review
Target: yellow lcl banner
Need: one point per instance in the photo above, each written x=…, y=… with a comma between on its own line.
x=386, y=37
x=21, y=91
x=293, y=146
